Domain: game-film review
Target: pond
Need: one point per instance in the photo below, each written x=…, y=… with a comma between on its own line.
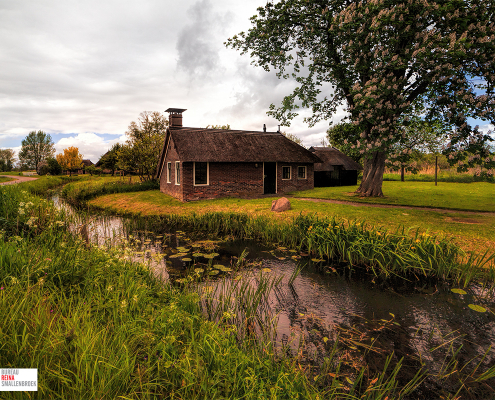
x=303, y=306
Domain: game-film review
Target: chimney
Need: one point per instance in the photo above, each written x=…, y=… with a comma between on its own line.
x=264, y=127
x=175, y=117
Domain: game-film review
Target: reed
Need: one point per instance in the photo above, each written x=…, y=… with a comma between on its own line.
x=78, y=194
x=380, y=252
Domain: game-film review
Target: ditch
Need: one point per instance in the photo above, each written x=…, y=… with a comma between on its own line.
x=322, y=314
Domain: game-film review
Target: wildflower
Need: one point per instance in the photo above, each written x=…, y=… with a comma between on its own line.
x=135, y=298
x=1, y=288
x=310, y=227
x=123, y=304
x=417, y=240
x=110, y=288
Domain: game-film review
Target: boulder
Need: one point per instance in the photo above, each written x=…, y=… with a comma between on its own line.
x=281, y=204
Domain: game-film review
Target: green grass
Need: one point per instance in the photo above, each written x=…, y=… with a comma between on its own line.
x=5, y=179
x=472, y=232
x=478, y=196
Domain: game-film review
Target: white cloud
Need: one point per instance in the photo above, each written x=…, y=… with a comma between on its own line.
x=90, y=145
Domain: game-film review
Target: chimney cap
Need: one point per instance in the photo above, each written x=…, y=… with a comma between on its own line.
x=175, y=110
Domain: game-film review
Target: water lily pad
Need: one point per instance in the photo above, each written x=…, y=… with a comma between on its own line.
x=282, y=248
x=211, y=256
x=293, y=251
x=199, y=270
x=197, y=255
x=178, y=255
x=281, y=258
x=266, y=270
x=214, y=272
x=317, y=260
x=159, y=237
x=187, y=259
x=476, y=308
x=459, y=291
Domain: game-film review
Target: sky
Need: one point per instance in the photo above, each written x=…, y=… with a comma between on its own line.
x=82, y=71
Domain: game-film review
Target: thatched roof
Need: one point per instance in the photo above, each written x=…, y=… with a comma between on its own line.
x=223, y=145
x=87, y=163
x=331, y=156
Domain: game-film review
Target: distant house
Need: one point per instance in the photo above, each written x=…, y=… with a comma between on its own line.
x=336, y=169
x=85, y=163
x=200, y=163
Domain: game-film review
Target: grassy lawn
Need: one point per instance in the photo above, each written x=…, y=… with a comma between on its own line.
x=6, y=179
x=476, y=196
x=470, y=231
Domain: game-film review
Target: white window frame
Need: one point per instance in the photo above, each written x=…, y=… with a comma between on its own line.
x=177, y=173
x=207, y=175
x=290, y=173
x=305, y=171
x=169, y=172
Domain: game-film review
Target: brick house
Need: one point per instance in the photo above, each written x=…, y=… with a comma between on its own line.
x=200, y=163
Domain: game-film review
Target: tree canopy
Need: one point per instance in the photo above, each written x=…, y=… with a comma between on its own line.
x=379, y=59
x=36, y=147
x=144, y=142
x=109, y=160
x=70, y=160
x=7, y=160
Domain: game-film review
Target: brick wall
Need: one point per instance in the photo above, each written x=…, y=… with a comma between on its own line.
x=229, y=179
x=171, y=188
x=294, y=183
x=225, y=179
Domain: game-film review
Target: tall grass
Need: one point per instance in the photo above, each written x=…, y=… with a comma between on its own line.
x=97, y=326
x=77, y=194
x=385, y=254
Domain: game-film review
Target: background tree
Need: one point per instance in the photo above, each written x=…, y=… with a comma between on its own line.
x=110, y=159
x=294, y=138
x=54, y=167
x=7, y=160
x=144, y=142
x=36, y=147
x=378, y=58
x=418, y=137
x=218, y=126
x=342, y=136
x=71, y=159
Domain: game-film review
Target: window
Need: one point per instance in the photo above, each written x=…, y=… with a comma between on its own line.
x=177, y=172
x=285, y=172
x=169, y=171
x=301, y=172
x=201, y=174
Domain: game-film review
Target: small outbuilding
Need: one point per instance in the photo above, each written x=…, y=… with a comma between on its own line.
x=335, y=168
x=200, y=163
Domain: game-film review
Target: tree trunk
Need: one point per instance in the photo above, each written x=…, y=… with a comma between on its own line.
x=371, y=185
x=402, y=168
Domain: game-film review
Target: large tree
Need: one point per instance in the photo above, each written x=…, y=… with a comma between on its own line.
x=379, y=59
x=144, y=142
x=36, y=147
x=71, y=159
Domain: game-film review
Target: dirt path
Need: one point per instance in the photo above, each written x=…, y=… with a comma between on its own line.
x=18, y=179
x=357, y=204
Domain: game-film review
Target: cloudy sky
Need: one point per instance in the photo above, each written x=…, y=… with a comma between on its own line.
x=83, y=70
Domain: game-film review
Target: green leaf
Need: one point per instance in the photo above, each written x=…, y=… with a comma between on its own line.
x=476, y=308
x=459, y=291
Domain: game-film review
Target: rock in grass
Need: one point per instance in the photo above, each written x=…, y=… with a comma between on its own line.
x=280, y=205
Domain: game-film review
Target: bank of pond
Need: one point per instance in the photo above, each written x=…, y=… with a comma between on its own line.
x=232, y=306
